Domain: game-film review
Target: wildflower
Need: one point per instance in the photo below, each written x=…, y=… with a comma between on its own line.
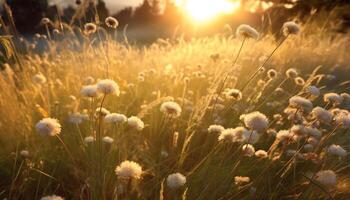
x=90, y=28
x=129, y=169
x=333, y=98
x=255, y=121
x=248, y=150
x=314, y=132
x=299, y=81
x=246, y=31
x=261, y=154
x=337, y=150
x=24, y=153
x=89, y=91
x=136, y=123
x=314, y=91
x=171, y=109
x=271, y=74
x=52, y=197
x=115, y=118
x=75, y=118
x=89, y=139
x=107, y=140
x=241, y=180
x=290, y=28
x=48, y=126
x=346, y=98
x=175, y=180
x=229, y=135
x=301, y=103
x=108, y=86
x=45, y=21
x=326, y=177
x=285, y=135
x=343, y=118
x=39, y=79
x=101, y=111
x=234, y=94
x=298, y=130
x=216, y=129
x=322, y=115
x=89, y=80
x=250, y=137
x=291, y=73
x=111, y=22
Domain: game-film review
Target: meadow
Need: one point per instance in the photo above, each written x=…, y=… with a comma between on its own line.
x=238, y=115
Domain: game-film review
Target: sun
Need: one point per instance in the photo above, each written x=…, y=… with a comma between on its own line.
x=204, y=10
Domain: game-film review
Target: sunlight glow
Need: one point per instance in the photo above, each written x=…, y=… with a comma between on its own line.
x=203, y=10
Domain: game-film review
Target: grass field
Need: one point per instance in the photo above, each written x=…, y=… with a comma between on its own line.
x=221, y=117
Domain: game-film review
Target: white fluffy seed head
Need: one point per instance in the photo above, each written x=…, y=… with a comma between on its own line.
x=171, y=109
x=255, y=121
x=135, y=123
x=326, y=177
x=246, y=31
x=107, y=140
x=233, y=135
x=290, y=28
x=39, y=79
x=342, y=118
x=111, y=22
x=24, y=153
x=333, y=98
x=248, y=150
x=52, y=197
x=322, y=115
x=89, y=91
x=76, y=118
x=313, y=90
x=89, y=140
x=176, y=180
x=216, y=129
x=301, y=103
x=337, y=150
x=291, y=73
x=233, y=94
x=115, y=118
x=261, y=154
x=108, y=86
x=102, y=112
x=48, y=127
x=241, y=180
x=129, y=169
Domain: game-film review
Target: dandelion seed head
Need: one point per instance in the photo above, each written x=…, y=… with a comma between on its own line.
x=337, y=150
x=290, y=28
x=291, y=73
x=129, y=169
x=241, y=180
x=111, y=22
x=326, y=177
x=255, y=121
x=108, y=86
x=89, y=91
x=322, y=115
x=115, y=118
x=39, y=79
x=246, y=31
x=333, y=98
x=171, y=109
x=48, y=127
x=176, y=180
x=216, y=129
x=301, y=103
x=89, y=140
x=248, y=150
x=90, y=28
x=261, y=154
x=135, y=123
x=233, y=94
x=107, y=140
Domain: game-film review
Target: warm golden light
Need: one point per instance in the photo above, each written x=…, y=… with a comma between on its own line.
x=203, y=10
